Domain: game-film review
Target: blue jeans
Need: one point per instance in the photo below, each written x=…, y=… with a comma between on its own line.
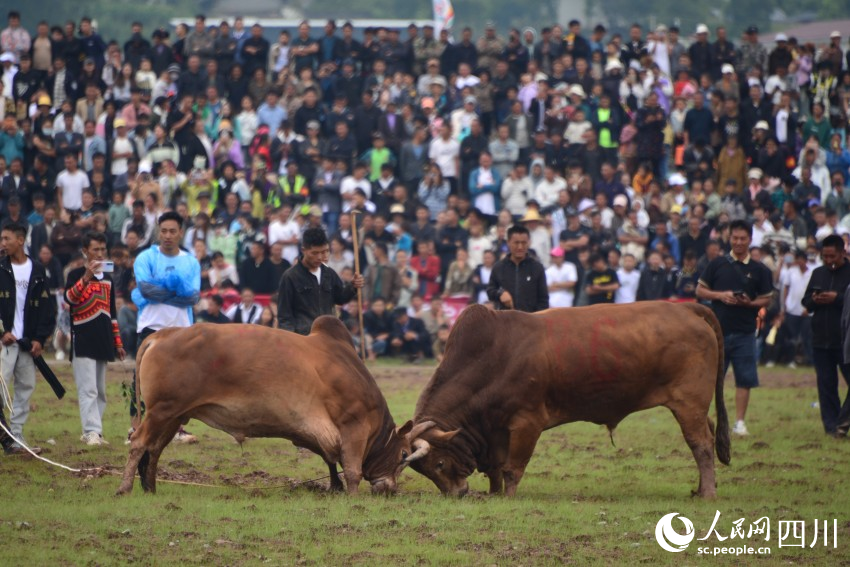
x=832, y=412
x=740, y=352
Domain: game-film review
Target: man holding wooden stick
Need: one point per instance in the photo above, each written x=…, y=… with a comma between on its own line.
x=310, y=289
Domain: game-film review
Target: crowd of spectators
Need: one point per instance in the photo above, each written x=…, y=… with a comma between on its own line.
x=627, y=156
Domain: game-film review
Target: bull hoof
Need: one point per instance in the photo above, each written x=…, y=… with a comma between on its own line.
x=705, y=494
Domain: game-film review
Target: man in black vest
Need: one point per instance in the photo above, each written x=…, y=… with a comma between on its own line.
x=246, y=311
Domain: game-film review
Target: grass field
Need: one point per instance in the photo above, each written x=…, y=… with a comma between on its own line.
x=582, y=500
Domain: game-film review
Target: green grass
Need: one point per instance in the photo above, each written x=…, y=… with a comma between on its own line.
x=582, y=501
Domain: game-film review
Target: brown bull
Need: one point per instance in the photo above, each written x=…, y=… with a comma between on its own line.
x=252, y=381
x=508, y=376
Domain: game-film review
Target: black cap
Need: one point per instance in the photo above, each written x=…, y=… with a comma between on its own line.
x=752, y=30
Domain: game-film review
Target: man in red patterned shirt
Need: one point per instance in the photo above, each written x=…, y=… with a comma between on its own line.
x=95, y=339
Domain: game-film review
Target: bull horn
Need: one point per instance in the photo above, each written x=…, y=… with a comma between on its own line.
x=422, y=448
x=420, y=428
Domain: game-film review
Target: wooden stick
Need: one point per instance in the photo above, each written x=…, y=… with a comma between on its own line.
x=355, y=238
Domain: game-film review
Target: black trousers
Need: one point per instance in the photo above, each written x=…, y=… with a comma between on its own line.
x=145, y=333
x=832, y=412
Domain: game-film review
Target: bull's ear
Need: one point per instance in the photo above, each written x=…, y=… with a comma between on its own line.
x=404, y=429
x=441, y=436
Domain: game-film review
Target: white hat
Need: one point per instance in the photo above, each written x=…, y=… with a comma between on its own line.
x=727, y=68
x=585, y=205
x=613, y=64
x=761, y=125
x=661, y=28
x=677, y=179
x=577, y=90
x=7, y=57
x=835, y=33
x=755, y=173
x=621, y=201
x=702, y=28
x=145, y=166
x=781, y=37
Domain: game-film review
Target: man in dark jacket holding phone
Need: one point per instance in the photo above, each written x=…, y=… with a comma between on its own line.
x=824, y=299
x=27, y=312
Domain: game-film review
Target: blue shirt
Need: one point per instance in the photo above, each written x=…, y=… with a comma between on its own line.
x=271, y=116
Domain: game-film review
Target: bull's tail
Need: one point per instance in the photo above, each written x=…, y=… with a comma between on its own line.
x=722, y=441
x=137, y=380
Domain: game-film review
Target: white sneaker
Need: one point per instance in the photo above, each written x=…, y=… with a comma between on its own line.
x=740, y=429
x=93, y=438
x=129, y=434
x=60, y=355
x=792, y=364
x=185, y=437
x=770, y=364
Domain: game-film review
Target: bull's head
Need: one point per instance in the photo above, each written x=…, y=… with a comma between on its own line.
x=384, y=471
x=438, y=458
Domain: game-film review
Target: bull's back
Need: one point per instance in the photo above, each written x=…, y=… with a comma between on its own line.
x=601, y=363
x=252, y=380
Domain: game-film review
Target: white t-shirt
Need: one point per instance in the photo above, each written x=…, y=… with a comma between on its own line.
x=279, y=231
x=444, y=153
x=121, y=146
x=22, y=284
x=72, y=185
x=350, y=183
x=318, y=274
x=797, y=282
x=558, y=275
x=486, y=202
x=485, y=279
x=547, y=192
x=628, y=286
x=759, y=232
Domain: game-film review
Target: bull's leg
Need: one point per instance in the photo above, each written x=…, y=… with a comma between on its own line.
x=352, y=466
x=336, y=482
x=496, y=479
x=150, y=439
x=696, y=428
x=497, y=456
x=137, y=453
x=523, y=440
x=166, y=434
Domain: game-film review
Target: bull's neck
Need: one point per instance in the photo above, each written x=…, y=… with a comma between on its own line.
x=382, y=438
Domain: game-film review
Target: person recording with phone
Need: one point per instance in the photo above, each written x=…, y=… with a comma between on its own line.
x=824, y=299
x=95, y=338
x=738, y=287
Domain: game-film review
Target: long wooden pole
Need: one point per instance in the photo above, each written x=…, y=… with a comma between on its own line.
x=356, y=240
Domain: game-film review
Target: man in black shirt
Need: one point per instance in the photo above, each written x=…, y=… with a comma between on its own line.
x=654, y=284
x=824, y=299
x=213, y=314
x=738, y=287
x=256, y=272
x=379, y=324
x=602, y=281
x=310, y=289
x=96, y=339
x=518, y=281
